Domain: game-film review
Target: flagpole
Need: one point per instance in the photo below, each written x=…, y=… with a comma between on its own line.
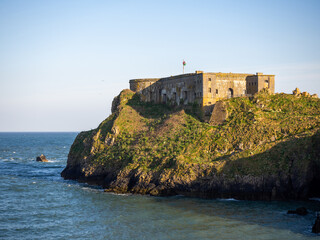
x=183, y=67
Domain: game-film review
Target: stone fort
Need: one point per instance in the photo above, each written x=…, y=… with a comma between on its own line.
x=203, y=89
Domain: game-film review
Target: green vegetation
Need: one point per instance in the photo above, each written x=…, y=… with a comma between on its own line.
x=261, y=136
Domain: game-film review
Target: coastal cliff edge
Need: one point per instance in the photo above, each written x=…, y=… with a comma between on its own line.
x=267, y=148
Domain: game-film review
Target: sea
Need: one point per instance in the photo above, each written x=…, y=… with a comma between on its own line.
x=36, y=203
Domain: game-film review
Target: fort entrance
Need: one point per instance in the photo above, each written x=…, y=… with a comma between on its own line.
x=230, y=93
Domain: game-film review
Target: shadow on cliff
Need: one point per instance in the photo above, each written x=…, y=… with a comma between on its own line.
x=162, y=110
x=289, y=170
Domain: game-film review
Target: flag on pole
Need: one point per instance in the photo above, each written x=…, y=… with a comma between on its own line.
x=183, y=64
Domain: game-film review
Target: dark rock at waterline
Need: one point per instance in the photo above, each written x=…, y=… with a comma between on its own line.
x=316, y=226
x=42, y=158
x=300, y=211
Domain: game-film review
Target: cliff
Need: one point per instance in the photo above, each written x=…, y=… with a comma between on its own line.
x=266, y=147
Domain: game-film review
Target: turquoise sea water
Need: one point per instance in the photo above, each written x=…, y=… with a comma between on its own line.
x=36, y=203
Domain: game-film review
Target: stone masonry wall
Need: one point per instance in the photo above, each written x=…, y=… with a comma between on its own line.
x=176, y=90
x=204, y=89
x=217, y=86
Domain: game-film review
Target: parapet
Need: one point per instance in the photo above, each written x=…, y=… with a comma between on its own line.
x=144, y=80
x=142, y=83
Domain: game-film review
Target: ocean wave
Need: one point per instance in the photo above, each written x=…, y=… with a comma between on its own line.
x=52, y=160
x=90, y=189
x=6, y=160
x=227, y=199
x=120, y=194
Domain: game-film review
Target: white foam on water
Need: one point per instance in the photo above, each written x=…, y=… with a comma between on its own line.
x=34, y=182
x=91, y=189
x=120, y=194
x=227, y=199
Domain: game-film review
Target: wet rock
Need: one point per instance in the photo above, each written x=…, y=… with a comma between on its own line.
x=300, y=211
x=316, y=225
x=42, y=158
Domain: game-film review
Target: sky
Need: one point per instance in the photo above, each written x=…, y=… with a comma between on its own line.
x=62, y=62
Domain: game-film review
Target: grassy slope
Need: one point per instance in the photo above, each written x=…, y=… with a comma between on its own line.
x=260, y=137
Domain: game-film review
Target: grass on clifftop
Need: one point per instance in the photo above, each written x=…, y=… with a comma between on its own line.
x=163, y=140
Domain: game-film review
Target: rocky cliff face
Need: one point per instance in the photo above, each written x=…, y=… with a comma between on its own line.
x=266, y=147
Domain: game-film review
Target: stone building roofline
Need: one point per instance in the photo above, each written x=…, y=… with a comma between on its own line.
x=145, y=80
x=219, y=74
x=156, y=79
x=230, y=73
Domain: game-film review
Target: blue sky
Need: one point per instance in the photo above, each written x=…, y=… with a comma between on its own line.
x=62, y=62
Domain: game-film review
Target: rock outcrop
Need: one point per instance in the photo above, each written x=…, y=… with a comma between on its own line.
x=219, y=113
x=41, y=158
x=316, y=225
x=305, y=94
x=299, y=211
x=268, y=148
x=296, y=92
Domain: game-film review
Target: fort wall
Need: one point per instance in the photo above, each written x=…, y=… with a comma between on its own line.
x=204, y=89
x=217, y=86
x=176, y=90
x=257, y=82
